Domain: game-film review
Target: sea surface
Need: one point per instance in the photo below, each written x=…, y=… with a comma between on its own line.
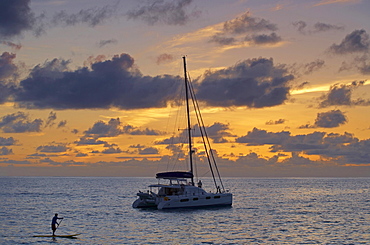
x=265, y=211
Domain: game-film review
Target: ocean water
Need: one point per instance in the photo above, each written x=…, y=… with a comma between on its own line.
x=265, y=211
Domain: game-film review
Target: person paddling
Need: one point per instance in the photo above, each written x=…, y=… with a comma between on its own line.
x=54, y=223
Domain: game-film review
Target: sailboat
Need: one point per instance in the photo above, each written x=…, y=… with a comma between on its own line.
x=176, y=189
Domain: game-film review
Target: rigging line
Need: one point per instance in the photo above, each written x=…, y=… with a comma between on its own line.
x=202, y=131
x=195, y=102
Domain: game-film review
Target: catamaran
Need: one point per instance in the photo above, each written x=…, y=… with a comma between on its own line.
x=176, y=189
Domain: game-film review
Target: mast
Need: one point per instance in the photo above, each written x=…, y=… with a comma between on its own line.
x=188, y=118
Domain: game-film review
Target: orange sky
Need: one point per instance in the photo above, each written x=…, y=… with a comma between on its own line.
x=88, y=88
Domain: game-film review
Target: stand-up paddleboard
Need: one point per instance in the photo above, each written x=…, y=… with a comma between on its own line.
x=64, y=236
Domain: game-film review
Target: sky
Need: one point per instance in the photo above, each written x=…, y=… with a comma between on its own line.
x=90, y=88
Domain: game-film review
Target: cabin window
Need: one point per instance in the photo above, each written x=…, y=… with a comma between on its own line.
x=216, y=197
x=195, y=199
x=184, y=200
x=208, y=197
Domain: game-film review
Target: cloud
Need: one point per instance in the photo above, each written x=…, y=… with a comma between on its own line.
x=7, y=141
x=102, y=129
x=7, y=67
x=322, y=27
x=318, y=27
x=254, y=83
x=357, y=41
x=12, y=45
x=330, y=119
x=8, y=70
x=170, y=12
x=313, y=66
x=103, y=43
x=110, y=83
x=15, y=17
x=263, y=39
x=92, y=16
x=341, y=95
x=216, y=131
x=89, y=141
x=300, y=25
x=62, y=124
x=339, y=148
x=164, y=58
x=325, y=2
x=148, y=151
x=223, y=40
x=361, y=63
x=5, y=151
x=246, y=24
x=51, y=118
x=53, y=148
x=19, y=122
x=271, y=122
x=262, y=137
x=114, y=128
x=111, y=150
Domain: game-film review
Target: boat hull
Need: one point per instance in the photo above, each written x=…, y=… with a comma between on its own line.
x=185, y=201
x=211, y=200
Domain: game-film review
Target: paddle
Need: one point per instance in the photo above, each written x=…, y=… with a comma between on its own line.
x=59, y=224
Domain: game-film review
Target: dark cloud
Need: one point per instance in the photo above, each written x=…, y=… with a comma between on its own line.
x=7, y=141
x=247, y=24
x=341, y=94
x=223, y=40
x=62, y=124
x=109, y=83
x=272, y=122
x=318, y=27
x=252, y=83
x=74, y=131
x=330, y=119
x=313, y=66
x=164, y=58
x=216, y=132
x=114, y=128
x=111, y=150
x=19, y=122
x=102, y=129
x=8, y=70
x=263, y=39
x=343, y=149
x=15, y=18
x=92, y=16
x=170, y=12
x=103, y=43
x=89, y=141
x=5, y=151
x=12, y=45
x=15, y=162
x=7, y=67
x=361, y=63
x=148, y=151
x=80, y=154
x=301, y=26
x=357, y=41
x=53, y=148
x=51, y=118
x=262, y=137
x=322, y=27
